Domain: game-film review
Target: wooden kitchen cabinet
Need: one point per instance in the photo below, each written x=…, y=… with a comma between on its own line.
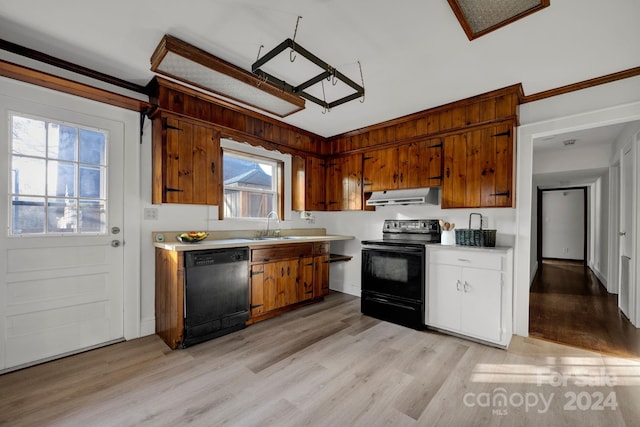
x=470, y=293
x=478, y=168
x=321, y=259
x=186, y=161
x=284, y=276
x=308, y=183
x=344, y=183
x=380, y=170
x=414, y=165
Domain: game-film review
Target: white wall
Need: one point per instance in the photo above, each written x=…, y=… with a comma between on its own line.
x=563, y=222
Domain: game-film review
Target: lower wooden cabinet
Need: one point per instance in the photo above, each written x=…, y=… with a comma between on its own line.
x=283, y=276
x=469, y=293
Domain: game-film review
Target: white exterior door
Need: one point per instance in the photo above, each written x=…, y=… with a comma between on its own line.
x=61, y=252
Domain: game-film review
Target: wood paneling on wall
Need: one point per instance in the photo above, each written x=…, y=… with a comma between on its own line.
x=235, y=122
x=479, y=110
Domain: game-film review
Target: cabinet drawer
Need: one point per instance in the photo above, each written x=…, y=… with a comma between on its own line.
x=321, y=248
x=476, y=259
x=274, y=253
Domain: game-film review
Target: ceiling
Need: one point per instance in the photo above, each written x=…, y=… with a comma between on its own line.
x=414, y=53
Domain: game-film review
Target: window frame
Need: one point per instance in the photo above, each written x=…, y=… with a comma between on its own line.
x=277, y=180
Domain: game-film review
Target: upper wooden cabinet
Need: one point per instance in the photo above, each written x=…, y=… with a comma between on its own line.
x=344, y=183
x=308, y=182
x=478, y=168
x=186, y=162
x=414, y=165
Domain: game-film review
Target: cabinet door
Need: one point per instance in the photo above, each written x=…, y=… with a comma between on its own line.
x=189, y=161
x=344, y=183
x=445, y=291
x=273, y=297
x=257, y=290
x=305, y=282
x=315, y=197
x=478, y=168
x=482, y=303
x=380, y=170
x=307, y=184
x=287, y=277
x=420, y=164
x=321, y=275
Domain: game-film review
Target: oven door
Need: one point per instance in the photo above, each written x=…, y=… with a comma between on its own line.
x=396, y=271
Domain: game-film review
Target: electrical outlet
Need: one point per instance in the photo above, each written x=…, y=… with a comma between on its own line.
x=305, y=215
x=151, y=214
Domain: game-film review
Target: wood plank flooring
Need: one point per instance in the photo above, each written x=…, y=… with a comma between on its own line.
x=326, y=365
x=569, y=305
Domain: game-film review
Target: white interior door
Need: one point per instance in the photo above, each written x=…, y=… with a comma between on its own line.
x=61, y=257
x=626, y=228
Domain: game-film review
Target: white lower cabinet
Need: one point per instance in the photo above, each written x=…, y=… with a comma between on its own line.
x=469, y=293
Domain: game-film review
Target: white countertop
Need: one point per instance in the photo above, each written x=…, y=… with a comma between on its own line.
x=250, y=242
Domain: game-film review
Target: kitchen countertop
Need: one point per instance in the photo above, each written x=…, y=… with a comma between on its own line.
x=235, y=239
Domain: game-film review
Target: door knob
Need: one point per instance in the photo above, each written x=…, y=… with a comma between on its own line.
x=622, y=233
x=115, y=230
x=115, y=243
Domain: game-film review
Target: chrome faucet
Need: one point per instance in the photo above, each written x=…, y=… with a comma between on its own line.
x=269, y=216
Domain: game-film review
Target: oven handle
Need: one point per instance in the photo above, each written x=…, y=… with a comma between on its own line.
x=386, y=301
x=395, y=249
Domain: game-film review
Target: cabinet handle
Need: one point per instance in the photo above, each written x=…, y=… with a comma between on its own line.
x=466, y=286
x=255, y=273
x=504, y=193
x=401, y=177
x=213, y=167
x=505, y=133
x=458, y=285
x=448, y=174
x=282, y=272
x=463, y=260
x=172, y=190
x=395, y=178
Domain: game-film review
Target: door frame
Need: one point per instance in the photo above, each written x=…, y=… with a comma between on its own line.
x=131, y=198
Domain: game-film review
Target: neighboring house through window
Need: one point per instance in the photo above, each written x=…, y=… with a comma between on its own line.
x=252, y=185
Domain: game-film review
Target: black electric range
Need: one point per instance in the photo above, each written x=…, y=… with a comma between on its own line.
x=394, y=271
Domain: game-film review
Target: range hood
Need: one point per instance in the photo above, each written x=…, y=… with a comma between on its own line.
x=404, y=197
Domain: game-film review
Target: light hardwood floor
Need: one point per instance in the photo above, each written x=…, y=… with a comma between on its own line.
x=326, y=365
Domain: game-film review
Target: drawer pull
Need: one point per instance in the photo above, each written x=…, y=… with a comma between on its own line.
x=463, y=260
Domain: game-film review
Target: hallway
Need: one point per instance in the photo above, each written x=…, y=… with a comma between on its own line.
x=569, y=305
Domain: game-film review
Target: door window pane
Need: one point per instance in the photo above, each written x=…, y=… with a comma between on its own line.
x=62, y=215
x=66, y=166
x=28, y=176
x=90, y=184
x=61, y=179
x=27, y=215
x=29, y=136
x=63, y=142
x=92, y=147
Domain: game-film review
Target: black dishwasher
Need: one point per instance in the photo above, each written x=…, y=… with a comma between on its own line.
x=216, y=293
